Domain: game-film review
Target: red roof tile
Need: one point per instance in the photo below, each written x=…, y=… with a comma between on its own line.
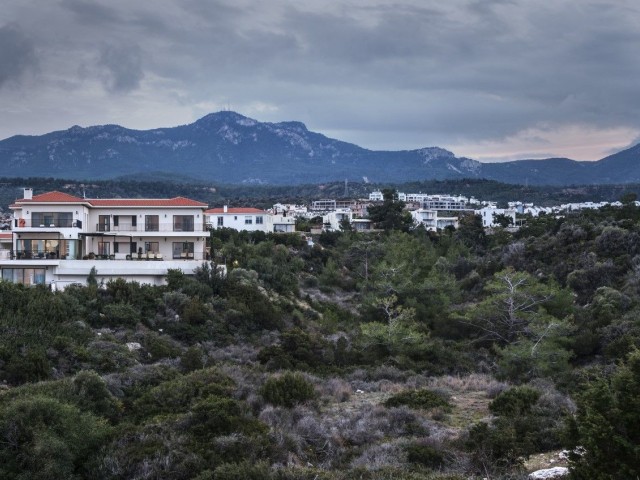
x=146, y=202
x=57, y=197
x=60, y=197
x=236, y=211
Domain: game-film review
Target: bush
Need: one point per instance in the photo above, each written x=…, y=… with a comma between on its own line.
x=288, y=390
x=425, y=455
x=424, y=399
x=515, y=402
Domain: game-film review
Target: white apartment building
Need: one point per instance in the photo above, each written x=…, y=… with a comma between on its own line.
x=57, y=238
x=431, y=221
x=488, y=215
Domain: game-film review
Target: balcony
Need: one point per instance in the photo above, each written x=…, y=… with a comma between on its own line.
x=47, y=223
x=151, y=227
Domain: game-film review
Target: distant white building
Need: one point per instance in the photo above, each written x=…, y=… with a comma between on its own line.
x=332, y=221
x=249, y=219
x=431, y=221
x=444, y=202
x=377, y=196
x=489, y=214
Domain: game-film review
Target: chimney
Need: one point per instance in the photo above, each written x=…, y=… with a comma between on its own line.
x=28, y=193
x=225, y=209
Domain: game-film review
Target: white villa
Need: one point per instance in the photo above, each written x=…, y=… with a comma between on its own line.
x=488, y=215
x=431, y=221
x=249, y=219
x=57, y=238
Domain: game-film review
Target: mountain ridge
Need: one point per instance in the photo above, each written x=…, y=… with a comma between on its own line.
x=227, y=147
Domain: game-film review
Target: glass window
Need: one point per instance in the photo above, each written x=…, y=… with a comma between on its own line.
x=103, y=248
x=259, y=220
x=28, y=276
x=183, y=250
x=103, y=223
x=151, y=223
x=51, y=219
x=248, y=220
x=220, y=221
x=151, y=247
x=183, y=223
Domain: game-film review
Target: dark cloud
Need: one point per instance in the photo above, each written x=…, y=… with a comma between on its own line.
x=403, y=72
x=17, y=53
x=122, y=66
x=91, y=13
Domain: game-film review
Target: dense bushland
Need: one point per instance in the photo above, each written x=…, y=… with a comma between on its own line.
x=397, y=354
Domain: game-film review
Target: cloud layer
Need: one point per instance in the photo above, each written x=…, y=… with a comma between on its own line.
x=491, y=79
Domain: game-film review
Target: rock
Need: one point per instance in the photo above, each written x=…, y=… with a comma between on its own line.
x=555, y=472
x=133, y=346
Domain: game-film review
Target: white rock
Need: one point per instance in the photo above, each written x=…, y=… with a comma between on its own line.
x=133, y=346
x=359, y=391
x=555, y=472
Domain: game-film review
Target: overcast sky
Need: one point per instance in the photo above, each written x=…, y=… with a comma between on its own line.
x=488, y=79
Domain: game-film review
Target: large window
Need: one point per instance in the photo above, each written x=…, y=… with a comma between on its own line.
x=259, y=220
x=248, y=220
x=220, y=221
x=52, y=219
x=183, y=250
x=28, y=276
x=183, y=223
x=104, y=249
x=151, y=223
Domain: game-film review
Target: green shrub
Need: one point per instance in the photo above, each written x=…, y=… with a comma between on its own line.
x=423, y=399
x=288, y=390
x=515, y=402
x=42, y=438
x=425, y=455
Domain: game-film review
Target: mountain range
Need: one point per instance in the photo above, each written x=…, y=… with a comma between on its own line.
x=227, y=147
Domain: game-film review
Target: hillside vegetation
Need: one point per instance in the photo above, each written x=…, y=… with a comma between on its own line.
x=399, y=354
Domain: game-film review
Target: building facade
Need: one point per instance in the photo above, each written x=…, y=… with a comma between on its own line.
x=57, y=237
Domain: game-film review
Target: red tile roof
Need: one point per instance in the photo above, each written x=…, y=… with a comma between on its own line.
x=242, y=210
x=56, y=197
x=145, y=202
x=60, y=197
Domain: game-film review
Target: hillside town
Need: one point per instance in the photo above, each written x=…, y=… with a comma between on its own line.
x=55, y=238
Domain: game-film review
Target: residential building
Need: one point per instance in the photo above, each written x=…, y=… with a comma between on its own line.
x=489, y=214
x=243, y=218
x=431, y=221
x=58, y=237
x=444, y=202
x=333, y=221
x=249, y=219
x=328, y=205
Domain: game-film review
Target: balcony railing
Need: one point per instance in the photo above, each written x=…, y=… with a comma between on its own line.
x=29, y=223
x=155, y=227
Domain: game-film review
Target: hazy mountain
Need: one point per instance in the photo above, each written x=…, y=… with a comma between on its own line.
x=230, y=148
